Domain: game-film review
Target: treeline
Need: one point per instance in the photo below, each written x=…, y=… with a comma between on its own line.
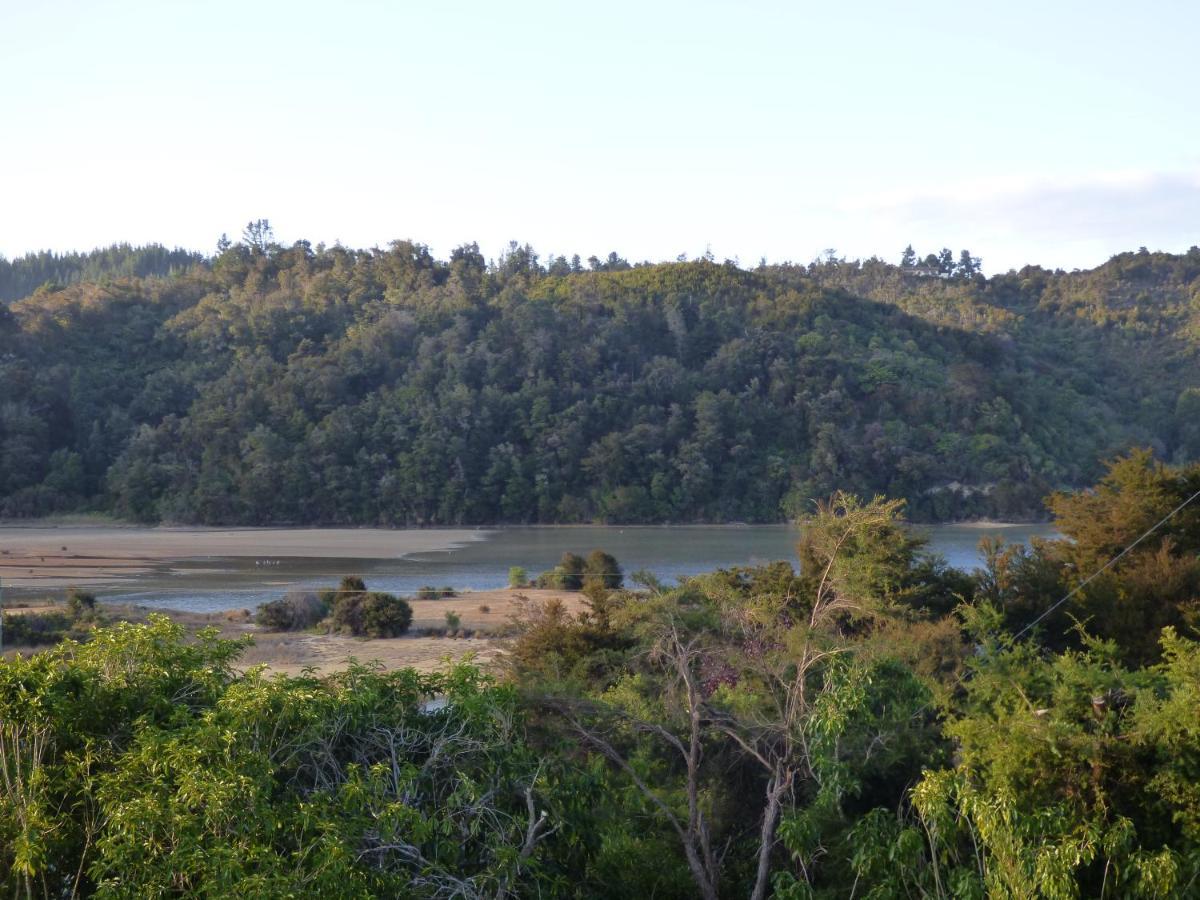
x=870, y=723
x=326, y=385
x=26, y=274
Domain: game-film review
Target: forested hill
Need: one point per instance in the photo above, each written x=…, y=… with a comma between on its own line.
x=293, y=385
x=22, y=276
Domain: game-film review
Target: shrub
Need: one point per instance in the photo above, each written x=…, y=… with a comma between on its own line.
x=484, y=608
x=570, y=569
x=351, y=584
x=372, y=614
x=32, y=629
x=573, y=572
x=549, y=579
x=517, y=577
x=295, y=611
x=598, y=600
x=603, y=568
x=648, y=580
x=453, y=621
x=80, y=603
x=429, y=592
x=164, y=773
x=384, y=615
x=274, y=616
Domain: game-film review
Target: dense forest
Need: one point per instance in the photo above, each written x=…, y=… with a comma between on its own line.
x=21, y=277
x=869, y=723
x=301, y=384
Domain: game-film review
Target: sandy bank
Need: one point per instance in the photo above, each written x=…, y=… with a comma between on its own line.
x=50, y=556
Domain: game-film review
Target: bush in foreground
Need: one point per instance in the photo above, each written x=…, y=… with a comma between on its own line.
x=143, y=765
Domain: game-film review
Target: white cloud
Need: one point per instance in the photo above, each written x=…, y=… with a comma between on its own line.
x=1069, y=223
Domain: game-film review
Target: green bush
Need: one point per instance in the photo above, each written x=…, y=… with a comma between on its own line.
x=295, y=611
x=372, y=614
x=144, y=766
x=573, y=572
x=517, y=577
x=566, y=576
x=603, y=569
x=646, y=579
x=552, y=579
x=570, y=569
x=352, y=583
x=36, y=629
x=80, y=603
x=453, y=620
x=429, y=592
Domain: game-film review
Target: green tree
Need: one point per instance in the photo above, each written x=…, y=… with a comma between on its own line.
x=603, y=568
x=1071, y=780
x=570, y=571
x=140, y=763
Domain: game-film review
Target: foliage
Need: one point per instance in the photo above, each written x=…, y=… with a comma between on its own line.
x=143, y=765
x=1125, y=578
x=295, y=611
x=869, y=724
x=429, y=592
x=21, y=277
x=371, y=614
x=309, y=384
x=1076, y=778
x=80, y=604
x=31, y=629
x=603, y=569
x=750, y=701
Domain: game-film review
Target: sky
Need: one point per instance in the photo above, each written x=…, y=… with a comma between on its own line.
x=1051, y=132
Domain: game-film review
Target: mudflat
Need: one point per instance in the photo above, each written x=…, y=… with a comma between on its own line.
x=55, y=556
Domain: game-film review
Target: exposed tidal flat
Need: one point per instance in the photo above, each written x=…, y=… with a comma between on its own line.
x=214, y=569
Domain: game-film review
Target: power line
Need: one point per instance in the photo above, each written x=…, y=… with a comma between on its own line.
x=1163, y=521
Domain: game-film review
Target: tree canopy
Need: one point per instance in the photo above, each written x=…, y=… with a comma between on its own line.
x=301, y=384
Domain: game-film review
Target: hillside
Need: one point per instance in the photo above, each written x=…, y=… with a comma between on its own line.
x=301, y=385
x=21, y=277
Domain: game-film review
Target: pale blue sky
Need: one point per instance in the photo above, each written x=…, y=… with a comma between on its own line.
x=1047, y=132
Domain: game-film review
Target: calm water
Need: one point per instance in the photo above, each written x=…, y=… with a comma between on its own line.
x=667, y=551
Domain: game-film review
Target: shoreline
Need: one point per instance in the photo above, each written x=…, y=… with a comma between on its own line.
x=53, y=524
x=56, y=555
x=34, y=556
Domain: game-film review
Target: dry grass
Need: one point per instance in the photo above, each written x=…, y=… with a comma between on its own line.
x=293, y=652
x=501, y=605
